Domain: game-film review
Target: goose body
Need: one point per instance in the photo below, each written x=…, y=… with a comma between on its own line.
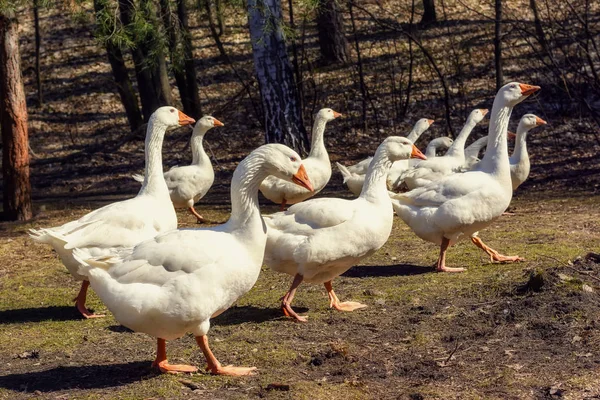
x=319, y=239
x=175, y=282
x=125, y=223
x=188, y=184
x=457, y=206
x=317, y=165
x=433, y=169
x=519, y=160
x=472, y=152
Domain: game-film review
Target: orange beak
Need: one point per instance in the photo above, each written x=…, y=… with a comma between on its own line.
x=539, y=121
x=217, y=122
x=511, y=135
x=300, y=178
x=336, y=114
x=430, y=121
x=416, y=153
x=184, y=119
x=526, y=89
x=484, y=111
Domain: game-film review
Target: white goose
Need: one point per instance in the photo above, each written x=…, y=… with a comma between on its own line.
x=124, y=223
x=354, y=181
x=188, y=184
x=458, y=205
x=433, y=169
x=319, y=239
x=472, y=152
x=176, y=282
x=519, y=160
x=317, y=166
x=420, y=126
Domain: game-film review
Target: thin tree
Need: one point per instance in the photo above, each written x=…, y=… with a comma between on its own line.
x=193, y=91
x=429, y=14
x=13, y=124
x=104, y=23
x=38, y=40
x=282, y=113
x=498, y=44
x=332, y=38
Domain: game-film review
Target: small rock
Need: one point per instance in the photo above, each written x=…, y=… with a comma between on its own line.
x=564, y=277
x=485, y=349
x=587, y=288
x=576, y=339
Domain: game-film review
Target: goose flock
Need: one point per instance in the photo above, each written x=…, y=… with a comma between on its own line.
x=165, y=281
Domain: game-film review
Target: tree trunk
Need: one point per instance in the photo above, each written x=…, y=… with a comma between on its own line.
x=330, y=26
x=498, y=44
x=38, y=72
x=13, y=124
x=283, y=116
x=193, y=91
x=429, y=15
x=150, y=66
x=121, y=77
x=220, y=16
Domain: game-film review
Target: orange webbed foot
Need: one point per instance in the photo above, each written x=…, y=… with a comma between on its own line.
x=230, y=370
x=167, y=368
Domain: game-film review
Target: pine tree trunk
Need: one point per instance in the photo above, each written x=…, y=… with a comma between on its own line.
x=121, y=77
x=283, y=116
x=38, y=40
x=330, y=26
x=428, y=12
x=498, y=44
x=193, y=92
x=13, y=124
x=150, y=71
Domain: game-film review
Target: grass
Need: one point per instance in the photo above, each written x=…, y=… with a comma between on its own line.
x=415, y=319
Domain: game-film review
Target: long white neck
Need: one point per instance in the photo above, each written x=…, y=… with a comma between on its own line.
x=374, y=188
x=415, y=134
x=431, y=150
x=199, y=156
x=317, y=144
x=475, y=147
x=458, y=146
x=245, y=219
x=520, y=151
x=495, y=160
x=154, y=183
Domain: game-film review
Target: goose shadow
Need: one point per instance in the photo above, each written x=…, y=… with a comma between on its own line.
x=77, y=377
x=40, y=314
x=365, y=271
x=240, y=315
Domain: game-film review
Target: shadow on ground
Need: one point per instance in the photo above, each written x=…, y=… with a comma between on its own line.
x=365, y=271
x=257, y=315
x=39, y=314
x=81, y=377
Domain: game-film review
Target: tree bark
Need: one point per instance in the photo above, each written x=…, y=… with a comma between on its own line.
x=150, y=70
x=193, y=92
x=498, y=44
x=282, y=113
x=13, y=124
x=330, y=26
x=38, y=40
x=429, y=14
x=121, y=77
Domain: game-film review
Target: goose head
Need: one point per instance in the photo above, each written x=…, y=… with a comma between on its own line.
x=207, y=122
x=477, y=115
x=442, y=142
x=171, y=117
x=513, y=93
x=328, y=114
x=530, y=121
x=401, y=148
x=284, y=163
x=422, y=125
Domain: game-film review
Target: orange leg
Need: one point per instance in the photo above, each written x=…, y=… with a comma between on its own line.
x=215, y=367
x=335, y=302
x=283, y=203
x=80, y=302
x=441, y=264
x=161, y=360
x=494, y=255
x=195, y=213
x=286, y=301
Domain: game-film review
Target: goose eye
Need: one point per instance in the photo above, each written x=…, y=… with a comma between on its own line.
x=293, y=159
x=172, y=110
